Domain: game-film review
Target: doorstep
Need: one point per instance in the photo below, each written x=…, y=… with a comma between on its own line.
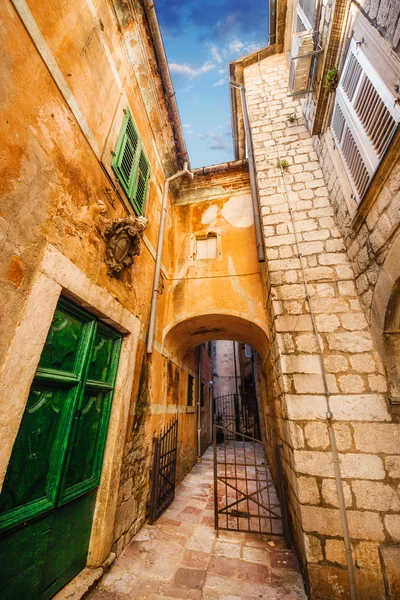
x=80, y=585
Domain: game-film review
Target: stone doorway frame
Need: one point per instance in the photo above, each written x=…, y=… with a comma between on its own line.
x=58, y=276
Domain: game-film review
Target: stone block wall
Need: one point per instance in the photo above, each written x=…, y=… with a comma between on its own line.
x=367, y=439
x=134, y=488
x=385, y=16
x=367, y=246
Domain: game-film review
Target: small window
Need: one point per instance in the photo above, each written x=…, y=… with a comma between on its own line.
x=364, y=120
x=206, y=246
x=248, y=351
x=190, y=390
x=131, y=165
x=202, y=395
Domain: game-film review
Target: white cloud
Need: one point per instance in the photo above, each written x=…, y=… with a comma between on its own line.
x=223, y=54
x=188, y=128
x=214, y=141
x=217, y=54
x=219, y=82
x=235, y=46
x=238, y=47
x=190, y=72
x=187, y=88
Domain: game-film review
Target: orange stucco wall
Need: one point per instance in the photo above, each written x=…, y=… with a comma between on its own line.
x=222, y=297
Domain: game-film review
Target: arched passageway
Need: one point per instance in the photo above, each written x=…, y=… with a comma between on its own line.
x=240, y=422
x=195, y=330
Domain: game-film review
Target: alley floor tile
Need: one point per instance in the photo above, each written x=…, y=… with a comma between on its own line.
x=181, y=557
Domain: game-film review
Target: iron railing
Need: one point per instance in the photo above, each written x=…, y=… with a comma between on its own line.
x=164, y=470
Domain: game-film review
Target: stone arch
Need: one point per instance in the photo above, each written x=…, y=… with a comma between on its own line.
x=194, y=329
x=391, y=344
x=385, y=318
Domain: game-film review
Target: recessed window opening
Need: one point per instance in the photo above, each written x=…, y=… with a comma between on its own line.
x=202, y=395
x=190, y=390
x=206, y=246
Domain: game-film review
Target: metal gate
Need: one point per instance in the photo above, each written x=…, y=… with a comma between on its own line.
x=237, y=414
x=164, y=470
x=245, y=496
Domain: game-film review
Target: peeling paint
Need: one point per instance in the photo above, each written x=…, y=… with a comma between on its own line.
x=238, y=211
x=210, y=215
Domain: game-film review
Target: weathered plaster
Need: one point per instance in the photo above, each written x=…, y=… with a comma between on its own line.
x=219, y=298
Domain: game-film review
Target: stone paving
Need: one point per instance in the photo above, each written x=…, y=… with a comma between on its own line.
x=180, y=556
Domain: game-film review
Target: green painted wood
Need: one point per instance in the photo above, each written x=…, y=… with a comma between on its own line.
x=23, y=552
x=27, y=476
x=141, y=182
x=61, y=347
x=68, y=544
x=130, y=164
x=48, y=497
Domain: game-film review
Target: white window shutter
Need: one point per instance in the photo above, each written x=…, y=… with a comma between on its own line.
x=305, y=15
x=364, y=119
x=206, y=247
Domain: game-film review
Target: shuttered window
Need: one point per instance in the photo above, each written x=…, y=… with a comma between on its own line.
x=190, y=390
x=305, y=15
x=364, y=119
x=206, y=246
x=130, y=164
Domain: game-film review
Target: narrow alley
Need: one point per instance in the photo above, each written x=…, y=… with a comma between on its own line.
x=180, y=556
x=200, y=317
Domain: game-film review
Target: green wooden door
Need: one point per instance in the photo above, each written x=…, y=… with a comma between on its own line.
x=49, y=492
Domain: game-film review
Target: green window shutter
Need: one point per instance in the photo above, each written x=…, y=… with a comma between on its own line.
x=131, y=165
x=142, y=179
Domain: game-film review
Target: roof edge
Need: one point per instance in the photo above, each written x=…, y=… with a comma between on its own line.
x=277, y=25
x=166, y=79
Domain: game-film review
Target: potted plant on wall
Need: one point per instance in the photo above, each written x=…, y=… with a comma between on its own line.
x=331, y=80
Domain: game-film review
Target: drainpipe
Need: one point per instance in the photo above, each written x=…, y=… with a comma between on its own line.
x=252, y=170
x=272, y=23
x=236, y=403
x=199, y=405
x=157, y=269
x=166, y=77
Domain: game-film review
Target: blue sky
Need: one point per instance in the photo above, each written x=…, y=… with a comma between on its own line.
x=200, y=38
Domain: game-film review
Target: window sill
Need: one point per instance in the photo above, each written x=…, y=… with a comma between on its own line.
x=190, y=410
x=395, y=405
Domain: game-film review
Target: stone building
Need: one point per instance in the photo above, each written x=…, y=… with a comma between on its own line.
x=291, y=249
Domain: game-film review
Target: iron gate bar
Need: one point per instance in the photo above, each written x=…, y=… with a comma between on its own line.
x=221, y=479
x=239, y=412
x=240, y=472
x=164, y=470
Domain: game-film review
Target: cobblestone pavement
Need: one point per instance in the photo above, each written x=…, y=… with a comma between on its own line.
x=181, y=557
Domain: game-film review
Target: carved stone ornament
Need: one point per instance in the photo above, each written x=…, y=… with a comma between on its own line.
x=122, y=237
